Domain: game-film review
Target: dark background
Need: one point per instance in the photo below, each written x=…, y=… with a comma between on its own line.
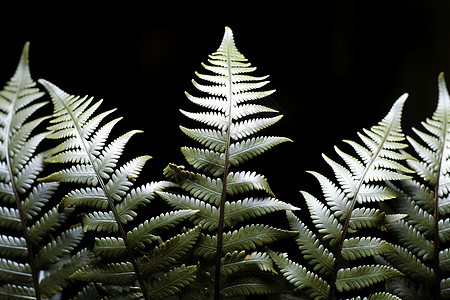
x=338, y=66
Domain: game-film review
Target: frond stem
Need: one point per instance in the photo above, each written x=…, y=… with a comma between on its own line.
x=111, y=206
x=224, y=183
x=23, y=219
x=437, y=285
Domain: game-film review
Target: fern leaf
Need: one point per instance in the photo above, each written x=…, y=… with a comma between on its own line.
x=15, y=292
x=303, y=280
x=63, y=245
x=410, y=264
x=245, y=238
x=17, y=272
x=356, y=248
x=363, y=276
x=56, y=280
x=423, y=235
x=324, y=221
x=157, y=225
x=108, y=199
x=167, y=254
x=360, y=181
x=172, y=282
x=227, y=93
x=249, y=286
x=113, y=273
x=240, y=261
x=28, y=217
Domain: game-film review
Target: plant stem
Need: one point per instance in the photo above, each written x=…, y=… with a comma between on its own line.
x=223, y=196
x=436, y=241
x=339, y=258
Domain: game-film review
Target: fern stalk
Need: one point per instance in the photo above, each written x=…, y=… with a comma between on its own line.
x=23, y=74
x=223, y=196
x=52, y=89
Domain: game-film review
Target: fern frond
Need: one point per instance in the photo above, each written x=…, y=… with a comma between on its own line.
x=239, y=261
x=246, y=238
x=359, y=181
x=164, y=256
x=227, y=93
x=424, y=234
x=303, y=280
x=172, y=282
x=107, y=197
x=363, y=276
x=28, y=217
x=249, y=286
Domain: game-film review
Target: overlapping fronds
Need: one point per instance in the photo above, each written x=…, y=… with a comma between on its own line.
x=130, y=250
x=36, y=245
x=423, y=251
x=338, y=248
x=228, y=95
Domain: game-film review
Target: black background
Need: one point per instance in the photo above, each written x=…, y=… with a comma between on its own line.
x=337, y=66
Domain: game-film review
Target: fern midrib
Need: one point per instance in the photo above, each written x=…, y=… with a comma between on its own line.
x=109, y=198
x=225, y=176
x=23, y=219
x=339, y=257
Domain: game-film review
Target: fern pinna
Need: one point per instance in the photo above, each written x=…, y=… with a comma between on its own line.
x=424, y=252
x=338, y=250
x=229, y=94
x=34, y=235
x=129, y=253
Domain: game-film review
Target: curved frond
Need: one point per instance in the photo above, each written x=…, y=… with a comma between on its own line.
x=107, y=197
x=347, y=208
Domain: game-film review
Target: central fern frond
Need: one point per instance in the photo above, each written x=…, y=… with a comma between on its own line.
x=233, y=118
x=336, y=250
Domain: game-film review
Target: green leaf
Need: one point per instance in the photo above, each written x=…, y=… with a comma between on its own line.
x=312, y=250
x=363, y=276
x=172, y=282
x=246, y=238
x=239, y=261
x=170, y=253
x=356, y=248
x=303, y=280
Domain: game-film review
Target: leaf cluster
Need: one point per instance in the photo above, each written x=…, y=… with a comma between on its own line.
x=87, y=224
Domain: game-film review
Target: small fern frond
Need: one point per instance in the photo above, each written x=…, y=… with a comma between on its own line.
x=423, y=235
x=28, y=216
x=228, y=94
x=172, y=282
x=334, y=255
x=363, y=276
x=108, y=199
